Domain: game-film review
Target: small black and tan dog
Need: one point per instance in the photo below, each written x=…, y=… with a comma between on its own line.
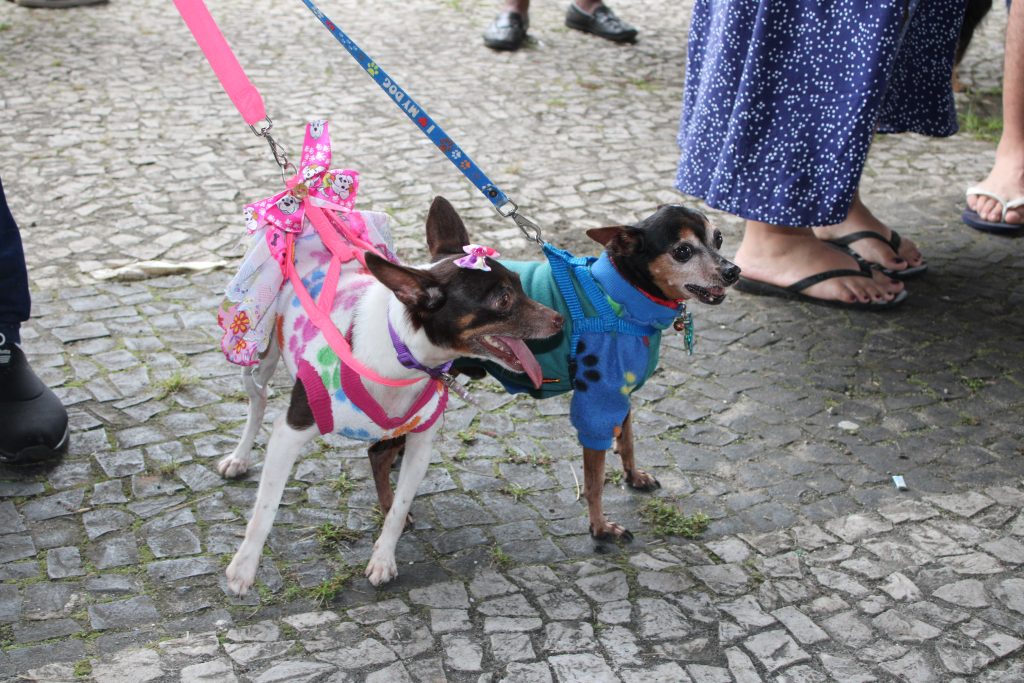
x=615, y=308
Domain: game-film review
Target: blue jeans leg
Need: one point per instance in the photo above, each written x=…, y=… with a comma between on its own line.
x=15, y=303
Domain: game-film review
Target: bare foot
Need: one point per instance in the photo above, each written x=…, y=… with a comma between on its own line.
x=871, y=250
x=782, y=256
x=1005, y=180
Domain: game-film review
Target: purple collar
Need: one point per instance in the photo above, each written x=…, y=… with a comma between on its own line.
x=406, y=358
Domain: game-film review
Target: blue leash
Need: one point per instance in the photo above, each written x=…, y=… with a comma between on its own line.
x=561, y=261
x=429, y=127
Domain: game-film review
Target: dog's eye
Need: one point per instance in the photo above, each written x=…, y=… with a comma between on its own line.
x=683, y=253
x=718, y=239
x=503, y=301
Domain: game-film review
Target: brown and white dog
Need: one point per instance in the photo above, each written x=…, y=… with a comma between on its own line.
x=440, y=313
x=648, y=270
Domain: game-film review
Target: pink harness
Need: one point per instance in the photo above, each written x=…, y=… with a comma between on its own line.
x=316, y=200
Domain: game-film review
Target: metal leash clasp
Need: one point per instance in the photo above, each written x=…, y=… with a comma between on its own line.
x=530, y=230
x=456, y=386
x=277, y=150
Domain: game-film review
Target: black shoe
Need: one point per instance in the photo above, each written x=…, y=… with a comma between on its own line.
x=602, y=22
x=507, y=31
x=33, y=422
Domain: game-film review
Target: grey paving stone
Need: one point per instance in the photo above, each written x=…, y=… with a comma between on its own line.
x=747, y=612
x=508, y=606
x=129, y=665
x=115, y=551
x=1010, y=593
x=64, y=562
x=563, y=636
x=534, y=672
x=511, y=624
x=219, y=669
x=16, y=547
x=564, y=604
x=660, y=620
x=407, y=635
x=448, y=620
x=578, y=668
x=904, y=629
x=800, y=625
x=912, y=666
x=900, y=588
x=451, y=595
x=365, y=653
x=775, y=649
x=965, y=504
x=123, y=613
x=741, y=667
x=461, y=653
x=488, y=583
x=511, y=647
x=664, y=673
x=726, y=579
x=57, y=505
x=245, y=654
x=33, y=631
x=176, y=570
x=174, y=542
x=605, y=587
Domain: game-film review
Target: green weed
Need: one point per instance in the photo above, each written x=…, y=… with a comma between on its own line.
x=325, y=593
x=667, y=520
x=329, y=535
x=517, y=491
x=499, y=557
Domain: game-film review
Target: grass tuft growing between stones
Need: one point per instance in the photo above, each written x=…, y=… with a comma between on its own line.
x=325, y=593
x=83, y=668
x=329, y=535
x=172, y=384
x=666, y=519
x=499, y=557
x=343, y=484
x=517, y=491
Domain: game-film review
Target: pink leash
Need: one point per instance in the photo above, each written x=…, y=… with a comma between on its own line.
x=249, y=103
x=213, y=44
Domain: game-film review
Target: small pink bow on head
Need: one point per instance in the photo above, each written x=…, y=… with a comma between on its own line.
x=477, y=257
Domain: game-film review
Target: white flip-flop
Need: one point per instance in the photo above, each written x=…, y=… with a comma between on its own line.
x=971, y=217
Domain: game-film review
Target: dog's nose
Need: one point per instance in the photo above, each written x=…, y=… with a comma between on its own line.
x=558, y=321
x=731, y=274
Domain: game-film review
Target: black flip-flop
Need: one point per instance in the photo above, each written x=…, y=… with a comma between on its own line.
x=794, y=291
x=893, y=243
x=1000, y=227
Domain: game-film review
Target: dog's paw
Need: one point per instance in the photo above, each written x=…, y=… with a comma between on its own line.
x=380, y=569
x=241, y=575
x=610, y=531
x=231, y=467
x=642, y=481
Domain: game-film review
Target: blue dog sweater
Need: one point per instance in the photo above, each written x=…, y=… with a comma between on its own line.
x=617, y=334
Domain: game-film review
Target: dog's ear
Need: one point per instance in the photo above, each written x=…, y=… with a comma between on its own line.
x=414, y=287
x=619, y=238
x=446, y=233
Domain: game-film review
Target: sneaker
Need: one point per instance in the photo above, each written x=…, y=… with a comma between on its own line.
x=507, y=31
x=602, y=22
x=33, y=422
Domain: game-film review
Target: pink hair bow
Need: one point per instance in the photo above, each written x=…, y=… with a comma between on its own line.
x=316, y=183
x=476, y=257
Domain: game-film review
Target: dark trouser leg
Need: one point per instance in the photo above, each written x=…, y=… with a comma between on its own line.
x=14, y=298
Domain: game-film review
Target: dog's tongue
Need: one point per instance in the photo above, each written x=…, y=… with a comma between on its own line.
x=526, y=358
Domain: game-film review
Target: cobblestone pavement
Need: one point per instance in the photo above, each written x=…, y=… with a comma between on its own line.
x=784, y=428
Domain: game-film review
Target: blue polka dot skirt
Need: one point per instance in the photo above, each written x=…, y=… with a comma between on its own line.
x=782, y=98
